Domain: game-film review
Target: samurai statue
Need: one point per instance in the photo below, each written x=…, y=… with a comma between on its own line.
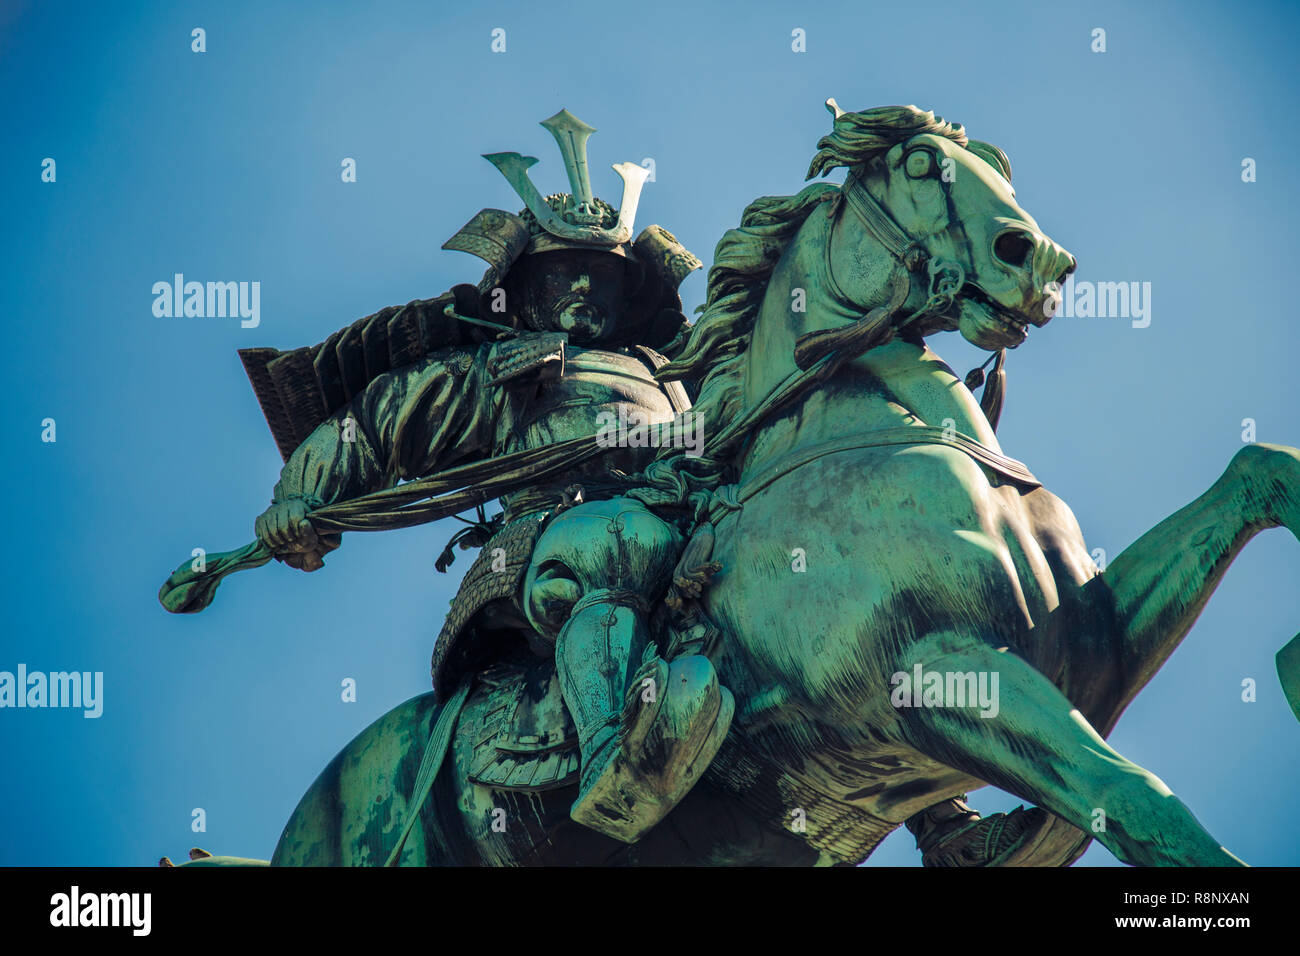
x=501, y=380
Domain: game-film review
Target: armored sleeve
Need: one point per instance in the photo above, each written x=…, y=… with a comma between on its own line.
x=406, y=423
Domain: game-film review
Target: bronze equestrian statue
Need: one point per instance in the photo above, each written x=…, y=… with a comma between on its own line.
x=763, y=587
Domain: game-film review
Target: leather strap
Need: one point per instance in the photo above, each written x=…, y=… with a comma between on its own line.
x=900, y=435
x=878, y=222
x=430, y=763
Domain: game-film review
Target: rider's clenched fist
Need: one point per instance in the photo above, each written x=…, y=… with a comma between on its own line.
x=285, y=529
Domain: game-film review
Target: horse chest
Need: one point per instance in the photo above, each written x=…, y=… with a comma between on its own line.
x=834, y=567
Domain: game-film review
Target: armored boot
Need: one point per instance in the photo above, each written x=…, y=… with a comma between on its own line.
x=646, y=734
x=647, y=729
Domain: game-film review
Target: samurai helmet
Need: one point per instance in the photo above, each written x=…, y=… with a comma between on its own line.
x=577, y=221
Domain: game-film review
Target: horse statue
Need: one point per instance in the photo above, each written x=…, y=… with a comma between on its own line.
x=905, y=613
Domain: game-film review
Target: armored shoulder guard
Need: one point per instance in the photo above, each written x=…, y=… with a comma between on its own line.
x=301, y=388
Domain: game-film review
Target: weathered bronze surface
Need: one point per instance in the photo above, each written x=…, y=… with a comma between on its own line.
x=838, y=613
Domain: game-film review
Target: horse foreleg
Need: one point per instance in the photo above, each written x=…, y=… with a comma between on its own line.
x=1158, y=586
x=1028, y=739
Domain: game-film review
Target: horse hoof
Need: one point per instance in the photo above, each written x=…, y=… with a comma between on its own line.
x=989, y=841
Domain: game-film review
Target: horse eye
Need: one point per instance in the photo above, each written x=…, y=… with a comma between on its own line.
x=919, y=163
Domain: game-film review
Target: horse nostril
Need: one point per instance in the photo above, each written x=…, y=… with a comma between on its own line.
x=1067, y=270
x=1013, y=248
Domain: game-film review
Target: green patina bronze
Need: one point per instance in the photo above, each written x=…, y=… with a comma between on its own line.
x=838, y=613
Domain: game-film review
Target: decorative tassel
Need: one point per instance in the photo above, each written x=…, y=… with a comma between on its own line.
x=476, y=535
x=995, y=386
x=995, y=391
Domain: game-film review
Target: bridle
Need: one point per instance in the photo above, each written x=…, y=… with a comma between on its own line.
x=945, y=279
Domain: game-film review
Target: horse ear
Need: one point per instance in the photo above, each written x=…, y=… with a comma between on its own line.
x=991, y=155
x=834, y=108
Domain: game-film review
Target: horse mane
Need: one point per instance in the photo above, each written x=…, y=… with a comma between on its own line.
x=743, y=262
x=858, y=138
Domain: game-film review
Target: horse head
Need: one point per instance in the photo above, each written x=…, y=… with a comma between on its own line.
x=925, y=235
x=941, y=207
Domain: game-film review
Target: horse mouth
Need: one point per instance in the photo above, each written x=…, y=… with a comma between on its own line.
x=1014, y=325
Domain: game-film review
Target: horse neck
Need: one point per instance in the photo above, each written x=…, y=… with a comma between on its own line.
x=899, y=383
x=798, y=300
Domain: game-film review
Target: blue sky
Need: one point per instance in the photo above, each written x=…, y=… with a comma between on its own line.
x=225, y=165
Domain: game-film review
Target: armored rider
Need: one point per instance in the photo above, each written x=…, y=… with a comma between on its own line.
x=573, y=310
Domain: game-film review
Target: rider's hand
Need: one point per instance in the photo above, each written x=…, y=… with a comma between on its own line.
x=285, y=530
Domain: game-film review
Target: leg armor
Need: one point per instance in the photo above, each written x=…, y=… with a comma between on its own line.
x=647, y=729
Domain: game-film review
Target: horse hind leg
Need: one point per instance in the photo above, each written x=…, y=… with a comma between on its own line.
x=1028, y=739
x=1151, y=594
